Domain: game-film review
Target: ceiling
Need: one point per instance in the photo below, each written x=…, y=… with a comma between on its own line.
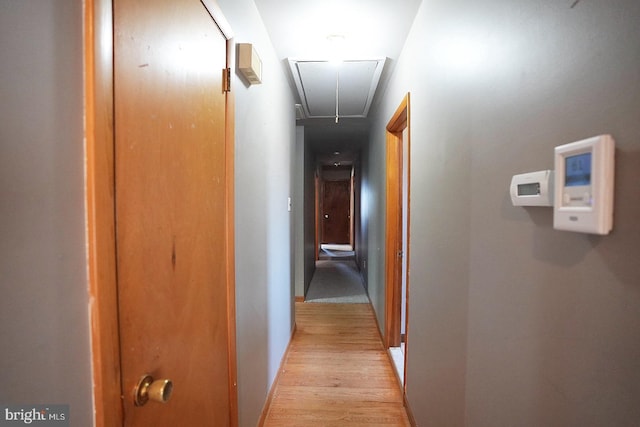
x=310, y=35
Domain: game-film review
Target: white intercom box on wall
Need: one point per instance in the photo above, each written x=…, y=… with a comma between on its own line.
x=532, y=189
x=584, y=185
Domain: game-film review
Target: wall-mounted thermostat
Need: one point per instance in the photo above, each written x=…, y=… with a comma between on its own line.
x=532, y=189
x=584, y=185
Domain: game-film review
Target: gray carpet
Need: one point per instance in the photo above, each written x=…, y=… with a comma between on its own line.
x=336, y=282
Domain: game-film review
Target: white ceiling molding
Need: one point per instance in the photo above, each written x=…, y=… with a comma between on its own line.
x=316, y=82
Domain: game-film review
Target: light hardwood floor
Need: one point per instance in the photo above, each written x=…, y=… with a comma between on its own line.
x=337, y=372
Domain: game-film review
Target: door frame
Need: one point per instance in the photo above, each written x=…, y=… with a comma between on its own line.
x=352, y=209
x=100, y=211
x=394, y=235
x=316, y=183
x=319, y=209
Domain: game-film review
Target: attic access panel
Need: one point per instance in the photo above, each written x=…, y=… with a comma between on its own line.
x=316, y=83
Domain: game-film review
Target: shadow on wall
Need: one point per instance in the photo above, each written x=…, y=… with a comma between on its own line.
x=566, y=249
x=551, y=246
x=616, y=250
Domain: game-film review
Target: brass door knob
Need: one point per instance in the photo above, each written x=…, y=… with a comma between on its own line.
x=150, y=389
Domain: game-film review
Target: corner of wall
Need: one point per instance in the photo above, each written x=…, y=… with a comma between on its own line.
x=264, y=181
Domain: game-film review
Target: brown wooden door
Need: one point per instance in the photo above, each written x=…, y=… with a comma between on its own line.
x=336, y=207
x=171, y=211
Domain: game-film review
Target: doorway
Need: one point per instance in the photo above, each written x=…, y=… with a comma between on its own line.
x=398, y=137
x=334, y=208
x=336, y=276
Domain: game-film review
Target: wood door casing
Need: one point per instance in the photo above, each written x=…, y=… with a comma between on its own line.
x=336, y=212
x=394, y=242
x=394, y=227
x=317, y=214
x=105, y=345
x=172, y=210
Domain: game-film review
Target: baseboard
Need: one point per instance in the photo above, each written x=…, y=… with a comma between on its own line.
x=267, y=403
x=412, y=419
x=395, y=371
x=299, y=299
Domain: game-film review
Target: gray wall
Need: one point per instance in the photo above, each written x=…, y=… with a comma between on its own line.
x=265, y=151
x=357, y=209
x=371, y=228
x=299, y=212
x=309, y=216
x=512, y=322
x=44, y=324
x=305, y=213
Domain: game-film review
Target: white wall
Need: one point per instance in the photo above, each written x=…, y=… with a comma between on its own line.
x=512, y=322
x=44, y=326
x=265, y=152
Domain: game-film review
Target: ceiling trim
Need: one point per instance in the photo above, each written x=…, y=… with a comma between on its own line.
x=308, y=88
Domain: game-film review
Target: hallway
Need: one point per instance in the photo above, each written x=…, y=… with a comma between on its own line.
x=336, y=372
x=512, y=322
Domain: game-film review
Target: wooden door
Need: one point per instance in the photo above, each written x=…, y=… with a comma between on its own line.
x=171, y=211
x=336, y=207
